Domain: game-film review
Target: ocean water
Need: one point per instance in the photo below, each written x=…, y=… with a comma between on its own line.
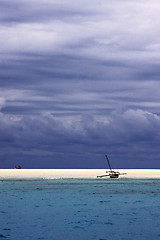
x=80, y=209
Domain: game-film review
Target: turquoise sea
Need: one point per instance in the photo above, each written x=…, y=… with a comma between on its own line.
x=80, y=209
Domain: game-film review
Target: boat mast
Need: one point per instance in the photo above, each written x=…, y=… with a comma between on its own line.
x=108, y=162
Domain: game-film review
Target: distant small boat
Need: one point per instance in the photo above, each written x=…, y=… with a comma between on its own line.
x=17, y=167
x=111, y=173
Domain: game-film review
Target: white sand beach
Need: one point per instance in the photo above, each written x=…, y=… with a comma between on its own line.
x=74, y=173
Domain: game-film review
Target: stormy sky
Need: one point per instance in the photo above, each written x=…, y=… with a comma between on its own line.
x=79, y=79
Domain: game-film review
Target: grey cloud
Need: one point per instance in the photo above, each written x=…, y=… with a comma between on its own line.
x=106, y=28
x=66, y=84
x=18, y=11
x=49, y=135
x=79, y=79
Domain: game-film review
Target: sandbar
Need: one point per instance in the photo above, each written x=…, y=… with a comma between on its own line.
x=74, y=173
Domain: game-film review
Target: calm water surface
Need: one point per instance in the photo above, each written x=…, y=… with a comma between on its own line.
x=80, y=209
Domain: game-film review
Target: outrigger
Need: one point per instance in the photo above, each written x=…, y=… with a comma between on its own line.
x=111, y=173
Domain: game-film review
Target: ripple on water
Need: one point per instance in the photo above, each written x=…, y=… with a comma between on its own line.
x=2, y=236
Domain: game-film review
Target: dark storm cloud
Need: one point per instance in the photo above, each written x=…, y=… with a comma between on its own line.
x=79, y=79
x=47, y=136
x=50, y=83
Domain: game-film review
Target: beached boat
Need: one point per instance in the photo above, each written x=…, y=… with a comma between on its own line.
x=111, y=173
x=17, y=167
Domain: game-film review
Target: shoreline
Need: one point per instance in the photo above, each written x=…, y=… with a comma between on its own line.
x=74, y=173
